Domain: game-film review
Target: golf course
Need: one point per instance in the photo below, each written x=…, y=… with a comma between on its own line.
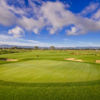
x=52, y=75
x=49, y=49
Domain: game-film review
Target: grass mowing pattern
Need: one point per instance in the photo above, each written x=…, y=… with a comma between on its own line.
x=51, y=79
x=44, y=71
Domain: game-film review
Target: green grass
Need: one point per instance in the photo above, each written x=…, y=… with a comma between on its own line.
x=50, y=77
x=50, y=91
x=49, y=71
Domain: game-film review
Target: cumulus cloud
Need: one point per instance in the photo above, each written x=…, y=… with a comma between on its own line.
x=73, y=31
x=7, y=13
x=53, y=16
x=6, y=17
x=16, y=32
x=31, y=24
x=56, y=15
x=83, y=26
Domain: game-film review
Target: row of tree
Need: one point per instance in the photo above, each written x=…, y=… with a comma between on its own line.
x=36, y=48
x=51, y=48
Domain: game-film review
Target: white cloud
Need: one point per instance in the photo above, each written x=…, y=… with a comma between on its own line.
x=9, y=40
x=7, y=13
x=6, y=17
x=56, y=15
x=16, y=32
x=50, y=15
x=87, y=43
x=16, y=10
x=89, y=9
x=96, y=15
x=73, y=31
x=31, y=24
x=35, y=30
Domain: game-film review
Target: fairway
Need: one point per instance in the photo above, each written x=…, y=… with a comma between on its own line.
x=50, y=76
x=38, y=71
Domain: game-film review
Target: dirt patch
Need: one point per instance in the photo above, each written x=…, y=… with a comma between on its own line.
x=8, y=59
x=69, y=58
x=73, y=59
x=97, y=61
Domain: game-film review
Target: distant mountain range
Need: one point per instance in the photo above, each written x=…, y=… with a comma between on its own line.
x=85, y=47
x=9, y=46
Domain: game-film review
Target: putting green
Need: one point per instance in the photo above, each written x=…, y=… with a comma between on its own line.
x=49, y=71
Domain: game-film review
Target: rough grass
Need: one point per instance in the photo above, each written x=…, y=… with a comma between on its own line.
x=50, y=91
x=51, y=78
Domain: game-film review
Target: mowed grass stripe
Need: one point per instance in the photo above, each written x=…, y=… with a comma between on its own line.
x=77, y=73
x=94, y=73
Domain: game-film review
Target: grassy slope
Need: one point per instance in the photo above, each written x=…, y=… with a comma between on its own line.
x=52, y=88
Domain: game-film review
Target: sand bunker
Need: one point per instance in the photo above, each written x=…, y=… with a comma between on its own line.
x=97, y=61
x=8, y=59
x=69, y=58
x=78, y=60
x=73, y=59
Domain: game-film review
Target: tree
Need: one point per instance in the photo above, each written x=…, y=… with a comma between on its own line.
x=52, y=47
x=15, y=47
x=36, y=48
x=5, y=48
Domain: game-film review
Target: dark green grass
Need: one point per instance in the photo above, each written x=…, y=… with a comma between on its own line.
x=8, y=51
x=70, y=80
x=50, y=91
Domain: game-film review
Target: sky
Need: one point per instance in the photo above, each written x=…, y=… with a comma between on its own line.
x=59, y=23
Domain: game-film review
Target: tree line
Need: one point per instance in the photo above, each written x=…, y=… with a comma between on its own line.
x=47, y=48
x=35, y=48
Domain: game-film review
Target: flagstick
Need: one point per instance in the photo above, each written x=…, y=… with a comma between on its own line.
x=37, y=60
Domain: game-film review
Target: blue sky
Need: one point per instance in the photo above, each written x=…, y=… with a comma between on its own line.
x=61, y=23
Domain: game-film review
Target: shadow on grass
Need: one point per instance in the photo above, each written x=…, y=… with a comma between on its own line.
x=68, y=84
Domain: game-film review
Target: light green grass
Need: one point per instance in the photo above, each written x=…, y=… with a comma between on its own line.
x=49, y=71
x=50, y=77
